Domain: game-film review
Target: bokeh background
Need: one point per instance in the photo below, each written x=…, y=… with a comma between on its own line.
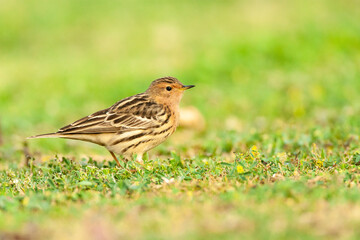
x=262, y=69
x=254, y=62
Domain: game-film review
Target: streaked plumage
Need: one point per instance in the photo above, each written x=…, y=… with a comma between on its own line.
x=133, y=125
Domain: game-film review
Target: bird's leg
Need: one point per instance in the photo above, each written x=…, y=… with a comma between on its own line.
x=139, y=158
x=117, y=161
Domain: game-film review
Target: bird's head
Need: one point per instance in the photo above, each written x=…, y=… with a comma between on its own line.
x=167, y=90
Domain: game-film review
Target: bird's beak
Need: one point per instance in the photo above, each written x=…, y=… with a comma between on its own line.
x=187, y=87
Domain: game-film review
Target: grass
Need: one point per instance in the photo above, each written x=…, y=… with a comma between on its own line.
x=255, y=195
x=276, y=81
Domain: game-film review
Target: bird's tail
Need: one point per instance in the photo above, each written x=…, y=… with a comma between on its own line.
x=46, y=135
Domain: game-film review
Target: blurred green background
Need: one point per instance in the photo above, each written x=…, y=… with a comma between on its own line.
x=280, y=75
x=290, y=60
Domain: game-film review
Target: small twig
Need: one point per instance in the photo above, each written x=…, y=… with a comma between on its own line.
x=26, y=154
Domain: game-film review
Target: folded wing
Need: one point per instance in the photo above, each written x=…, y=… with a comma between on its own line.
x=129, y=114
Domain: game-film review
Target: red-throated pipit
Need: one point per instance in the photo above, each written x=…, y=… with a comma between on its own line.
x=133, y=125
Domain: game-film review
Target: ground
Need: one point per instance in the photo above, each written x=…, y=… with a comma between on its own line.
x=277, y=83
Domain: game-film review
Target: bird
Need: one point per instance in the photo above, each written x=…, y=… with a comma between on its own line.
x=133, y=125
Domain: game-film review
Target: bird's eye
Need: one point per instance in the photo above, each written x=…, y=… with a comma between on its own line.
x=168, y=88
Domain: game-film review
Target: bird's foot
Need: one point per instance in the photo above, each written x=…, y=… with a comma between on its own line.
x=115, y=158
x=139, y=159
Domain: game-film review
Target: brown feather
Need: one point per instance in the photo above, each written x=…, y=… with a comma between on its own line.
x=134, y=124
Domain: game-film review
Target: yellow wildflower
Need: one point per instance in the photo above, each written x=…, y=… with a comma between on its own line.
x=319, y=163
x=25, y=201
x=254, y=153
x=240, y=169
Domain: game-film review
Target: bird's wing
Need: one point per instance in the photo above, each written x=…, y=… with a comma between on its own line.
x=94, y=123
x=129, y=114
